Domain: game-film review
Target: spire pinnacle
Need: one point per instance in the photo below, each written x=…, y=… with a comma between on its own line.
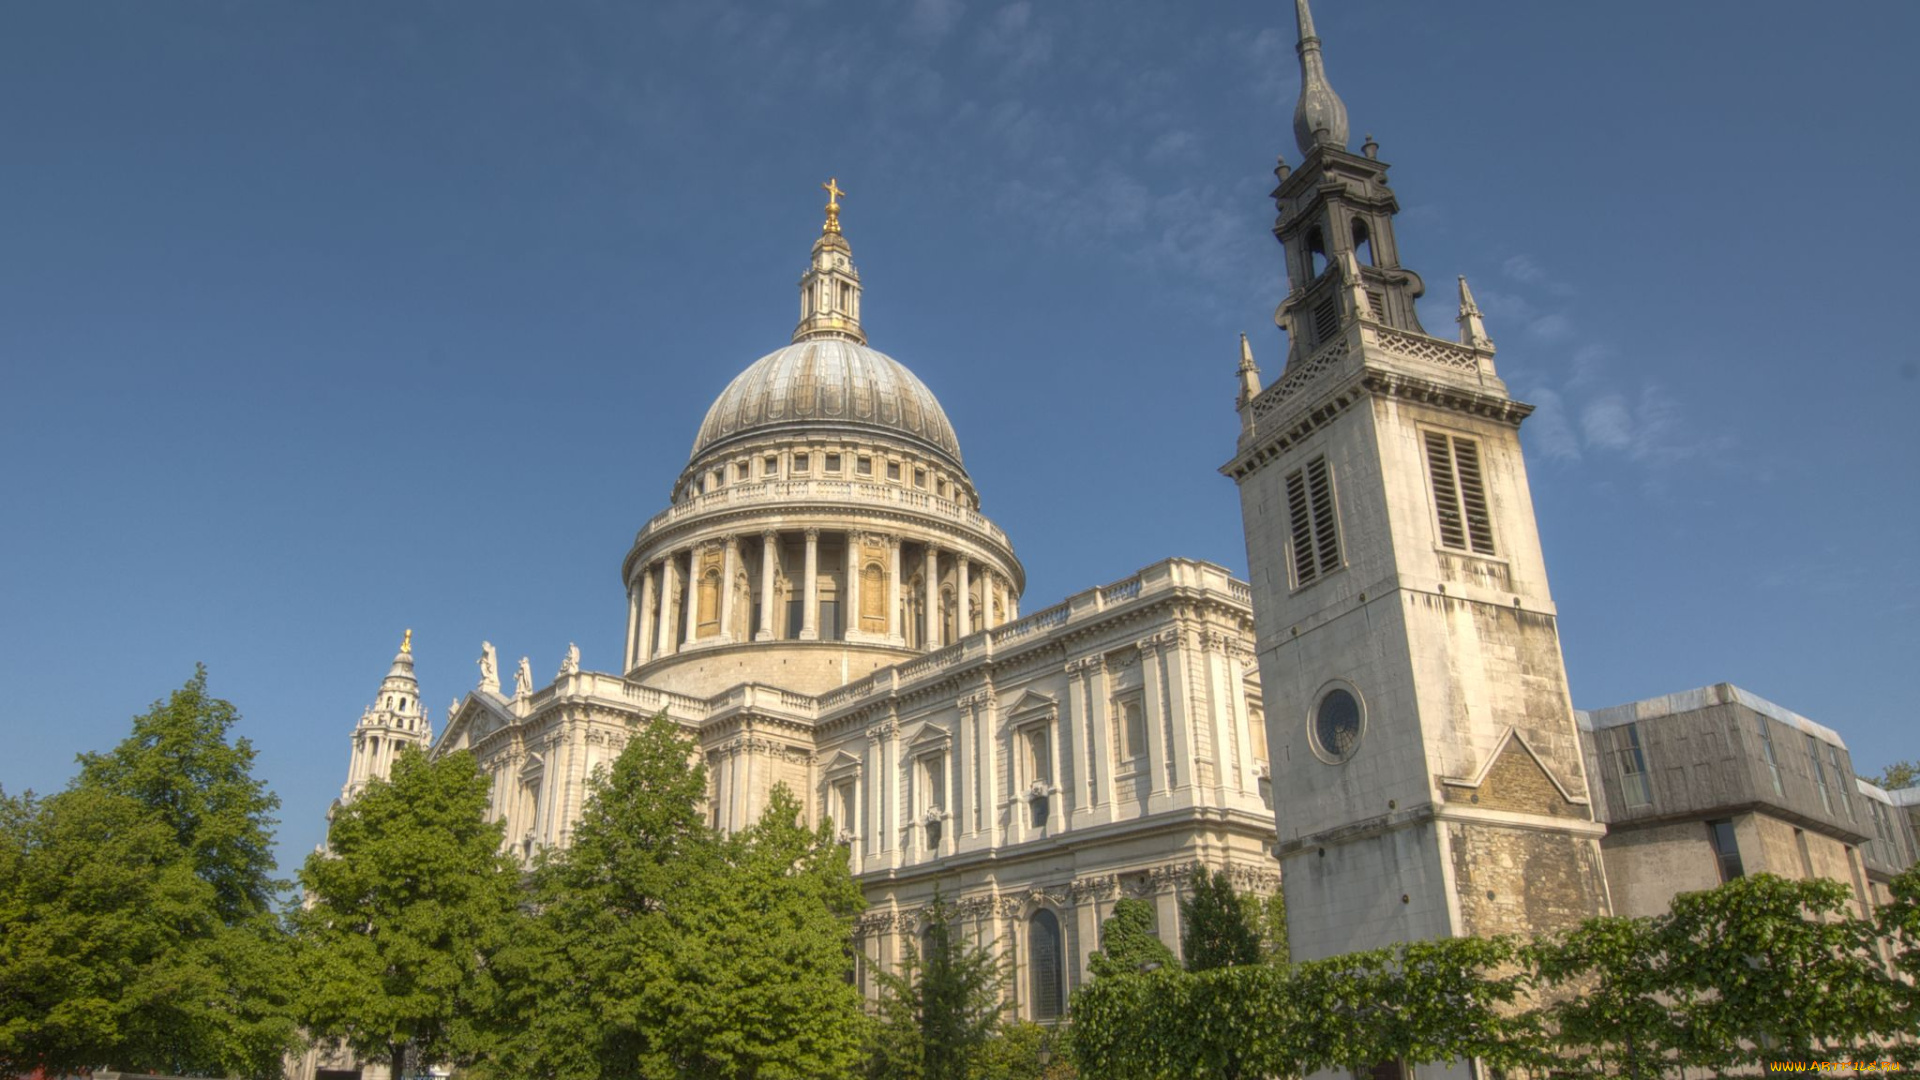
x=1473, y=330
x=1320, y=119
x=1249, y=380
x=406, y=641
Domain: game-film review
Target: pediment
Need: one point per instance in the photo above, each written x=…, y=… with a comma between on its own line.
x=929, y=736
x=841, y=764
x=1033, y=705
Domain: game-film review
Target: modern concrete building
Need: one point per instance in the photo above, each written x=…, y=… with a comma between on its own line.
x=1701, y=787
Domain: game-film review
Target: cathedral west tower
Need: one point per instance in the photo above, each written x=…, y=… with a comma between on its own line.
x=1427, y=773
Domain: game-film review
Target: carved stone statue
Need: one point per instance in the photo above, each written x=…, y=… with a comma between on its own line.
x=523, y=678
x=489, y=668
x=570, y=663
x=453, y=710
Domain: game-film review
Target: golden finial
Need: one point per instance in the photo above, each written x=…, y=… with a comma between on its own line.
x=832, y=188
x=406, y=642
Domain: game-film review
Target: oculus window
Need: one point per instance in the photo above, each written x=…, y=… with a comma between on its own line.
x=1337, y=723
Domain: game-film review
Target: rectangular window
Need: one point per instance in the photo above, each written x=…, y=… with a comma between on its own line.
x=919, y=478
x=933, y=782
x=770, y=467
x=1766, y=749
x=893, y=470
x=742, y=471
x=1833, y=758
x=1459, y=493
x=1632, y=762
x=833, y=463
x=1133, y=727
x=843, y=807
x=1314, y=525
x=1039, y=759
x=863, y=465
x=1726, y=849
x=799, y=463
x=1819, y=774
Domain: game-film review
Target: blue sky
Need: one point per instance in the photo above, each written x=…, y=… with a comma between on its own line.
x=318, y=322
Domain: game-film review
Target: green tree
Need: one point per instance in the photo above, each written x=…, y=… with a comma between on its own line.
x=180, y=763
x=135, y=926
x=940, y=1009
x=1603, y=980
x=760, y=954
x=1024, y=1050
x=1764, y=968
x=1900, y=774
x=1128, y=943
x=1269, y=916
x=584, y=978
x=1898, y=925
x=1216, y=924
x=405, y=909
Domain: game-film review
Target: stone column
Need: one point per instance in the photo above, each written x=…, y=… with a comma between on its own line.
x=810, y=606
x=663, y=638
x=933, y=598
x=893, y=592
x=769, y=550
x=727, y=565
x=643, y=650
x=963, y=589
x=690, y=598
x=633, y=625
x=850, y=596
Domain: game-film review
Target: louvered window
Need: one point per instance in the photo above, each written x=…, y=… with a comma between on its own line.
x=1326, y=318
x=1459, y=493
x=1819, y=774
x=1315, y=528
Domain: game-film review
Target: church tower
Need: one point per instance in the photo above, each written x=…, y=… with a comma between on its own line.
x=393, y=722
x=1427, y=774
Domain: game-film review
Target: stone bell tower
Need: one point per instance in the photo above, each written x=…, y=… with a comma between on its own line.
x=1427, y=774
x=395, y=721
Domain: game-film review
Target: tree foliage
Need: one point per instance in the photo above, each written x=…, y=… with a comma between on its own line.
x=1900, y=774
x=657, y=948
x=135, y=927
x=404, y=911
x=1759, y=969
x=940, y=1010
x=1218, y=927
x=1128, y=943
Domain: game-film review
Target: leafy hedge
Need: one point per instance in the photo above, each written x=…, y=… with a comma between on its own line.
x=1759, y=969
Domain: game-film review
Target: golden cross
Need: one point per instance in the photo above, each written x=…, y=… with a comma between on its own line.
x=833, y=204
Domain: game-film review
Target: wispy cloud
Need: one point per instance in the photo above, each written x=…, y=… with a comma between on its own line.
x=932, y=20
x=1011, y=36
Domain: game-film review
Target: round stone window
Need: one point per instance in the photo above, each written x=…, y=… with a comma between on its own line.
x=1336, y=724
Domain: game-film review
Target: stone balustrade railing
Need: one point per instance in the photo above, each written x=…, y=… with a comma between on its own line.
x=860, y=493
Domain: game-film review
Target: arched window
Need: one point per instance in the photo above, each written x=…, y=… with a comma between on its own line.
x=1046, y=968
x=873, y=598
x=1362, y=242
x=1316, y=254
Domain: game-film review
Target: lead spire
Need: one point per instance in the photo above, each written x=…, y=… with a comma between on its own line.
x=1320, y=119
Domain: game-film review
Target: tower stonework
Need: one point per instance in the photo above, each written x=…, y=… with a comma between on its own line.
x=395, y=721
x=1427, y=772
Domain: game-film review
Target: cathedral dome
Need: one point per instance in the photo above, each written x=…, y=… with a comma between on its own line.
x=831, y=381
